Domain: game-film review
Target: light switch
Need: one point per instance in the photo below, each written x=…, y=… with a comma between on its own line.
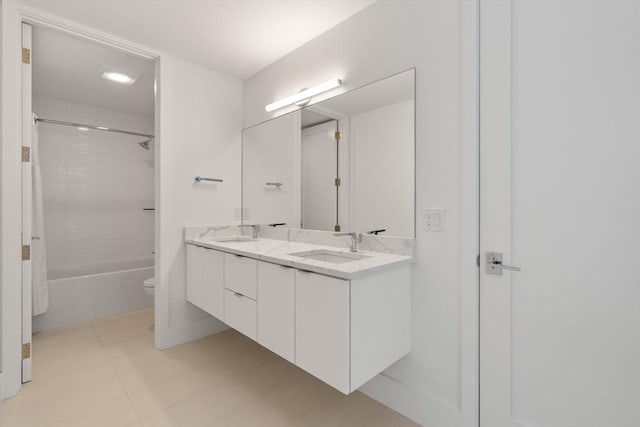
x=434, y=219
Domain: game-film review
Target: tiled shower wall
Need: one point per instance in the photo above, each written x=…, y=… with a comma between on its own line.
x=96, y=185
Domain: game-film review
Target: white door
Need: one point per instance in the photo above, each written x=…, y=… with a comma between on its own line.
x=27, y=195
x=319, y=171
x=560, y=198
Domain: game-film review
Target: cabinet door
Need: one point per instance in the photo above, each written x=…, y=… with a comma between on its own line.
x=241, y=313
x=205, y=288
x=195, y=275
x=276, y=309
x=322, y=328
x=213, y=266
x=241, y=275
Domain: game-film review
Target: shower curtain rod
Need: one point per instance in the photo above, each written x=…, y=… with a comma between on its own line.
x=79, y=125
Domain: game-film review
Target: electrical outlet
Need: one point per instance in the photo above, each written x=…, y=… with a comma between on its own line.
x=434, y=219
x=240, y=214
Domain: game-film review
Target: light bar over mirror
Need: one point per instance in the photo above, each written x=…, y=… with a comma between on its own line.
x=304, y=94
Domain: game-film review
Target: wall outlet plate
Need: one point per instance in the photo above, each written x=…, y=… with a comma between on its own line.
x=240, y=214
x=434, y=219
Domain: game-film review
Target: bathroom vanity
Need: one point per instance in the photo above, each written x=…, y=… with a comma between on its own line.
x=343, y=164
x=343, y=317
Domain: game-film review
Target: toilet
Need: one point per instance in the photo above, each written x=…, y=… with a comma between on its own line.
x=150, y=285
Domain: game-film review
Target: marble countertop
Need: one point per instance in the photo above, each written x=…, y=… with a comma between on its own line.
x=279, y=252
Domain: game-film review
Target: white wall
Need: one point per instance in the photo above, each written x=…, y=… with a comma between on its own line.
x=95, y=186
x=200, y=123
x=436, y=383
x=382, y=169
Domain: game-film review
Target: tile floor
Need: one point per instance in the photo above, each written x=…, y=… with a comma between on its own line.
x=107, y=373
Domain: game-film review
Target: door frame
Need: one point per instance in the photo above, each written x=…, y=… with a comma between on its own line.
x=495, y=40
x=469, y=219
x=13, y=16
x=27, y=204
x=345, y=164
x=312, y=130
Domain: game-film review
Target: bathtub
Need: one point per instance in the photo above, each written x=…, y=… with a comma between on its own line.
x=87, y=293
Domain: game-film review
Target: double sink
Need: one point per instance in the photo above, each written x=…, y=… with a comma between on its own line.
x=325, y=255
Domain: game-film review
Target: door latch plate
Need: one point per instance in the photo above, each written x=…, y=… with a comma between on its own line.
x=494, y=263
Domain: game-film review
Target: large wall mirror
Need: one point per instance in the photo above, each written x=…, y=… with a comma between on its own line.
x=344, y=164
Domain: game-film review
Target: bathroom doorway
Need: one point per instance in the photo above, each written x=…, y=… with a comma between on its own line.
x=324, y=169
x=320, y=180
x=88, y=205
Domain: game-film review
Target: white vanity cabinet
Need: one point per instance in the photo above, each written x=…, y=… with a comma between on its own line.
x=348, y=331
x=205, y=279
x=342, y=331
x=276, y=309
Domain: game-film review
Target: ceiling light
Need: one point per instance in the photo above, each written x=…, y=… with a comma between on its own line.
x=83, y=128
x=307, y=93
x=118, y=77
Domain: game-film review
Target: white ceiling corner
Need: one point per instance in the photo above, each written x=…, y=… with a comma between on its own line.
x=236, y=37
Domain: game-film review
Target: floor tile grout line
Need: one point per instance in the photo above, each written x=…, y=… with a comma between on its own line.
x=169, y=406
x=115, y=371
x=129, y=393
x=191, y=386
x=87, y=411
x=172, y=405
x=61, y=373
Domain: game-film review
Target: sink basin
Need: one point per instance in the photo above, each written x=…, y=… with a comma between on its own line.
x=234, y=239
x=327, y=255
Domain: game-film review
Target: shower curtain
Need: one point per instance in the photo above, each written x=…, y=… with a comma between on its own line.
x=40, y=287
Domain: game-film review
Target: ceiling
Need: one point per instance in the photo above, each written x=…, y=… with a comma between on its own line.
x=70, y=68
x=236, y=37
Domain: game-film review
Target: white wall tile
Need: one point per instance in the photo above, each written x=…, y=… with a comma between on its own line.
x=81, y=113
x=49, y=108
x=95, y=185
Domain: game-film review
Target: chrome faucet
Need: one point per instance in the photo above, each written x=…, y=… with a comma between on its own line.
x=255, y=228
x=355, y=239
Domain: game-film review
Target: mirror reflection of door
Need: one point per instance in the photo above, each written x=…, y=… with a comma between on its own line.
x=319, y=171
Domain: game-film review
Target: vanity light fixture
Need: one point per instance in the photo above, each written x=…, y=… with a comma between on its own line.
x=118, y=77
x=307, y=93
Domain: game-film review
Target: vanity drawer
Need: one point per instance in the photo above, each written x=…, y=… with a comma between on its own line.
x=241, y=313
x=241, y=275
